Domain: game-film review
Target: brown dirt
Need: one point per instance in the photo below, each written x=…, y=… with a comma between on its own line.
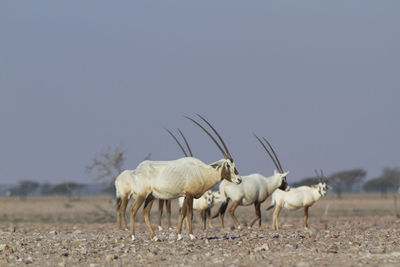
x=58, y=232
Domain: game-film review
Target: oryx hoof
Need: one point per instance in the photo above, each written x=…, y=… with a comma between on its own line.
x=179, y=237
x=133, y=237
x=192, y=237
x=159, y=228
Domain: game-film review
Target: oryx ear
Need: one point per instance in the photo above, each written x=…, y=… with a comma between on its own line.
x=329, y=187
x=285, y=174
x=214, y=165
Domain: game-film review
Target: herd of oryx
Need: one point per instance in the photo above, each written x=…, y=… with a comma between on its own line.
x=191, y=180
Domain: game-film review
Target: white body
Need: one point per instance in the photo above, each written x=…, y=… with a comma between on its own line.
x=254, y=188
x=297, y=198
x=207, y=200
x=186, y=177
x=129, y=182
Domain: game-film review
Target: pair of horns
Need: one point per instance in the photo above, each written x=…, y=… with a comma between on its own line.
x=225, y=152
x=186, y=142
x=276, y=160
x=320, y=175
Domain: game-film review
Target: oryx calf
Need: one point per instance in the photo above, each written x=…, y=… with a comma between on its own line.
x=296, y=198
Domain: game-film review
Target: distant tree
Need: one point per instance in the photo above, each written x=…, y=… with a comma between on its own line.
x=24, y=188
x=308, y=181
x=107, y=165
x=45, y=188
x=65, y=188
x=345, y=181
x=389, y=181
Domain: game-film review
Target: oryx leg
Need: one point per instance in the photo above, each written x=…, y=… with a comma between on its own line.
x=182, y=215
x=119, y=212
x=222, y=210
x=232, y=209
x=203, y=216
x=160, y=212
x=275, y=224
x=146, y=214
x=168, y=206
x=208, y=215
x=189, y=216
x=136, y=205
x=306, y=217
x=257, y=207
x=124, y=204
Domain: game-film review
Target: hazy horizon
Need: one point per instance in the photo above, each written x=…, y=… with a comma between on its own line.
x=319, y=80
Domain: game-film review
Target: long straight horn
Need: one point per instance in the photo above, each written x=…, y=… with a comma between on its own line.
x=176, y=140
x=186, y=142
x=273, y=151
x=269, y=153
x=212, y=138
x=220, y=138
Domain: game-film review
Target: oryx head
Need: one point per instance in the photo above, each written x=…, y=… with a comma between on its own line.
x=322, y=187
x=209, y=196
x=279, y=172
x=228, y=169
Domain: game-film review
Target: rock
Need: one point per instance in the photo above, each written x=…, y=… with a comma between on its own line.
x=28, y=260
x=76, y=232
x=302, y=264
x=111, y=257
x=333, y=249
x=3, y=247
x=244, y=252
x=264, y=247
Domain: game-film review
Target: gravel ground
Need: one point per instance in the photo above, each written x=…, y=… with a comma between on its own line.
x=346, y=242
x=49, y=232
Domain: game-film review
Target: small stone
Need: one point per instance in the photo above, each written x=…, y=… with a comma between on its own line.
x=76, y=232
x=262, y=248
x=28, y=260
x=244, y=252
x=3, y=247
x=111, y=257
x=302, y=264
x=332, y=249
x=53, y=232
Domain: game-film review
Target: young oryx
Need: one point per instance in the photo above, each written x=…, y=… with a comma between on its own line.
x=203, y=204
x=254, y=189
x=296, y=198
x=186, y=177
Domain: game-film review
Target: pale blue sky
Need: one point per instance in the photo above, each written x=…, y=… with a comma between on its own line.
x=321, y=80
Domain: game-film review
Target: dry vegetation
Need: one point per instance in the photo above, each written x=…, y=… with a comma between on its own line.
x=358, y=230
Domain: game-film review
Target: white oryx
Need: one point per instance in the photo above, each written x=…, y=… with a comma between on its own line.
x=186, y=177
x=254, y=189
x=203, y=204
x=296, y=198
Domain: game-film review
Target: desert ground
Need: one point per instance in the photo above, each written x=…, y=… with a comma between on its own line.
x=357, y=230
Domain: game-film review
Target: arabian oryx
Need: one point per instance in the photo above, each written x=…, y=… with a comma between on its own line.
x=186, y=177
x=254, y=189
x=296, y=198
x=202, y=204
